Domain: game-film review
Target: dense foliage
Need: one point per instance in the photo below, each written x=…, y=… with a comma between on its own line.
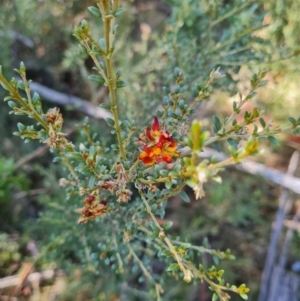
x=118, y=183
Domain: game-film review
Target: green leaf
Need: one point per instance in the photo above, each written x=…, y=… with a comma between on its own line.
x=251, y=95
x=232, y=142
x=263, y=83
x=119, y=11
x=22, y=68
x=124, y=124
x=35, y=98
x=184, y=196
x=105, y=106
x=92, y=182
x=3, y=86
x=97, y=78
x=166, y=100
x=215, y=297
x=11, y=104
x=21, y=126
x=296, y=132
x=110, y=121
x=119, y=72
x=121, y=84
x=262, y=122
x=272, y=139
x=168, y=225
x=174, y=267
x=164, y=173
x=217, y=123
x=82, y=147
x=168, y=185
x=6, y=98
x=216, y=260
x=173, y=115
x=244, y=296
x=292, y=120
x=166, y=253
x=94, y=11
x=21, y=86
x=102, y=43
x=185, y=246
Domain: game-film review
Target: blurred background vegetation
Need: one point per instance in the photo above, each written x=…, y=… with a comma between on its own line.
x=38, y=225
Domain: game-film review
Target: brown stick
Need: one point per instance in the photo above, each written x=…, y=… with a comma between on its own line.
x=265, y=287
x=64, y=99
x=285, y=180
x=276, y=277
x=12, y=281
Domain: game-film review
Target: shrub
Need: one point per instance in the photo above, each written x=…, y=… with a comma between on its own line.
x=125, y=180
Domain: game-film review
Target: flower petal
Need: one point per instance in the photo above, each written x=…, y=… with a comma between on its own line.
x=148, y=161
x=167, y=157
x=148, y=134
x=156, y=150
x=143, y=155
x=155, y=125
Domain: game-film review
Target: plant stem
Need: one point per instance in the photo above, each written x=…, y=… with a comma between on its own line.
x=121, y=265
x=15, y=95
x=158, y=287
x=173, y=192
x=70, y=167
x=112, y=84
x=231, y=13
x=163, y=236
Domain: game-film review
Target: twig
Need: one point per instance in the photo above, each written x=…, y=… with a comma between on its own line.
x=158, y=287
x=32, y=192
x=64, y=99
x=285, y=180
x=275, y=286
x=37, y=153
x=275, y=235
x=23, y=274
x=37, y=276
x=18, y=37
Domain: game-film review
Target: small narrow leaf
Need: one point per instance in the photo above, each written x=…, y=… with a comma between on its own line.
x=272, y=139
x=215, y=297
x=184, y=196
x=121, y=84
x=174, y=267
x=110, y=121
x=35, y=98
x=105, y=106
x=168, y=185
x=102, y=44
x=21, y=126
x=262, y=122
x=94, y=11
x=119, y=72
x=292, y=120
x=164, y=173
x=21, y=86
x=119, y=11
x=92, y=182
x=232, y=142
x=11, y=104
x=168, y=225
x=244, y=296
x=217, y=123
x=97, y=78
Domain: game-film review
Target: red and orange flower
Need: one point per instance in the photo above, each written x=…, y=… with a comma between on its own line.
x=157, y=145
